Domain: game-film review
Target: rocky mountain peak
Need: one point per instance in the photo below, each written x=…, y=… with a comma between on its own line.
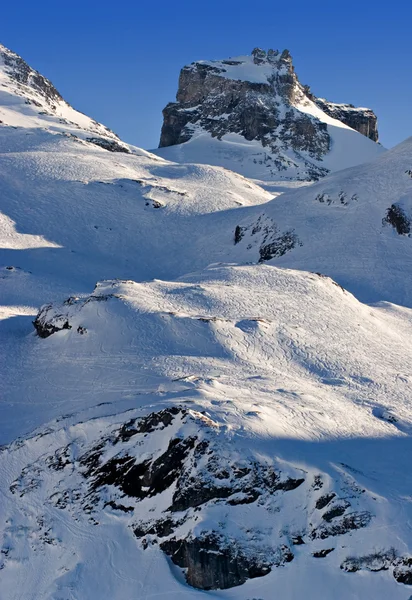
x=273, y=57
x=260, y=99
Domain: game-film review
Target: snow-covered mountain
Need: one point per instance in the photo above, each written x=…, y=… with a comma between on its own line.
x=200, y=423
x=74, y=211
x=252, y=115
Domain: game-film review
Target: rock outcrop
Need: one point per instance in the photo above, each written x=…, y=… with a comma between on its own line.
x=177, y=481
x=260, y=99
x=397, y=217
x=363, y=120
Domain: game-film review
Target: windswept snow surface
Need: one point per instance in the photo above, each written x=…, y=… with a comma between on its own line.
x=342, y=227
x=281, y=368
x=75, y=213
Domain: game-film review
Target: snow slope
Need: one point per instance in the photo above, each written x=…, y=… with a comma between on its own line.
x=270, y=368
x=348, y=148
x=353, y=226
x=196, y=424
x=27, y=99
x=74, y=213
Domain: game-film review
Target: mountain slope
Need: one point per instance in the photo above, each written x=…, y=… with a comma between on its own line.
x=79, y=205
x=252, y=115
x=195, y=429
x=217, y=427
x=27, y=99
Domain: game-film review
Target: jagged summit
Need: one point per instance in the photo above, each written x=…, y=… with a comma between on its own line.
x=272, y=126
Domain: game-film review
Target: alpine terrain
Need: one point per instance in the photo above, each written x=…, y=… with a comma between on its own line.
x=205, y=378
x=252, y=115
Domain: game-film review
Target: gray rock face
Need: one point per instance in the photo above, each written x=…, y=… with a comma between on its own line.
x=261, y=99
x=213, y=564
x=363, y=120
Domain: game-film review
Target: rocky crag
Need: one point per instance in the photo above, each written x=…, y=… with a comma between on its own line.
x=363, y=120
x=260, y=100
x=169, y=474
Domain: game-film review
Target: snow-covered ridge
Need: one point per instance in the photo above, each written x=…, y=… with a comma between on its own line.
x=354, y=226
x=255, y=68
x=28, y=99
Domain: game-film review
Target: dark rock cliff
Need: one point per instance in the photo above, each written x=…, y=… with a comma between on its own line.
x=363, y=120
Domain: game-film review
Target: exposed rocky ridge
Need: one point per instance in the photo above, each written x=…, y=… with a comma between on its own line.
x=260, y=99
x=183, y=460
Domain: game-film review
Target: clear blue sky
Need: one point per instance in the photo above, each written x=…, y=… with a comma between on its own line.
x=119, y=61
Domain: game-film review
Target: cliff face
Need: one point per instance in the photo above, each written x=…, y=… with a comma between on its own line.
x=260, y=98
x=210, y=97
x=363, y=120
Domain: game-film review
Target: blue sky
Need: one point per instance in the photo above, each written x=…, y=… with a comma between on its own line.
x=119, y=62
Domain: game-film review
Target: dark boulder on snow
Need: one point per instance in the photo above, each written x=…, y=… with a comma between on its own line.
x=44, y=327
x=397, y=217
x=107, y=144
